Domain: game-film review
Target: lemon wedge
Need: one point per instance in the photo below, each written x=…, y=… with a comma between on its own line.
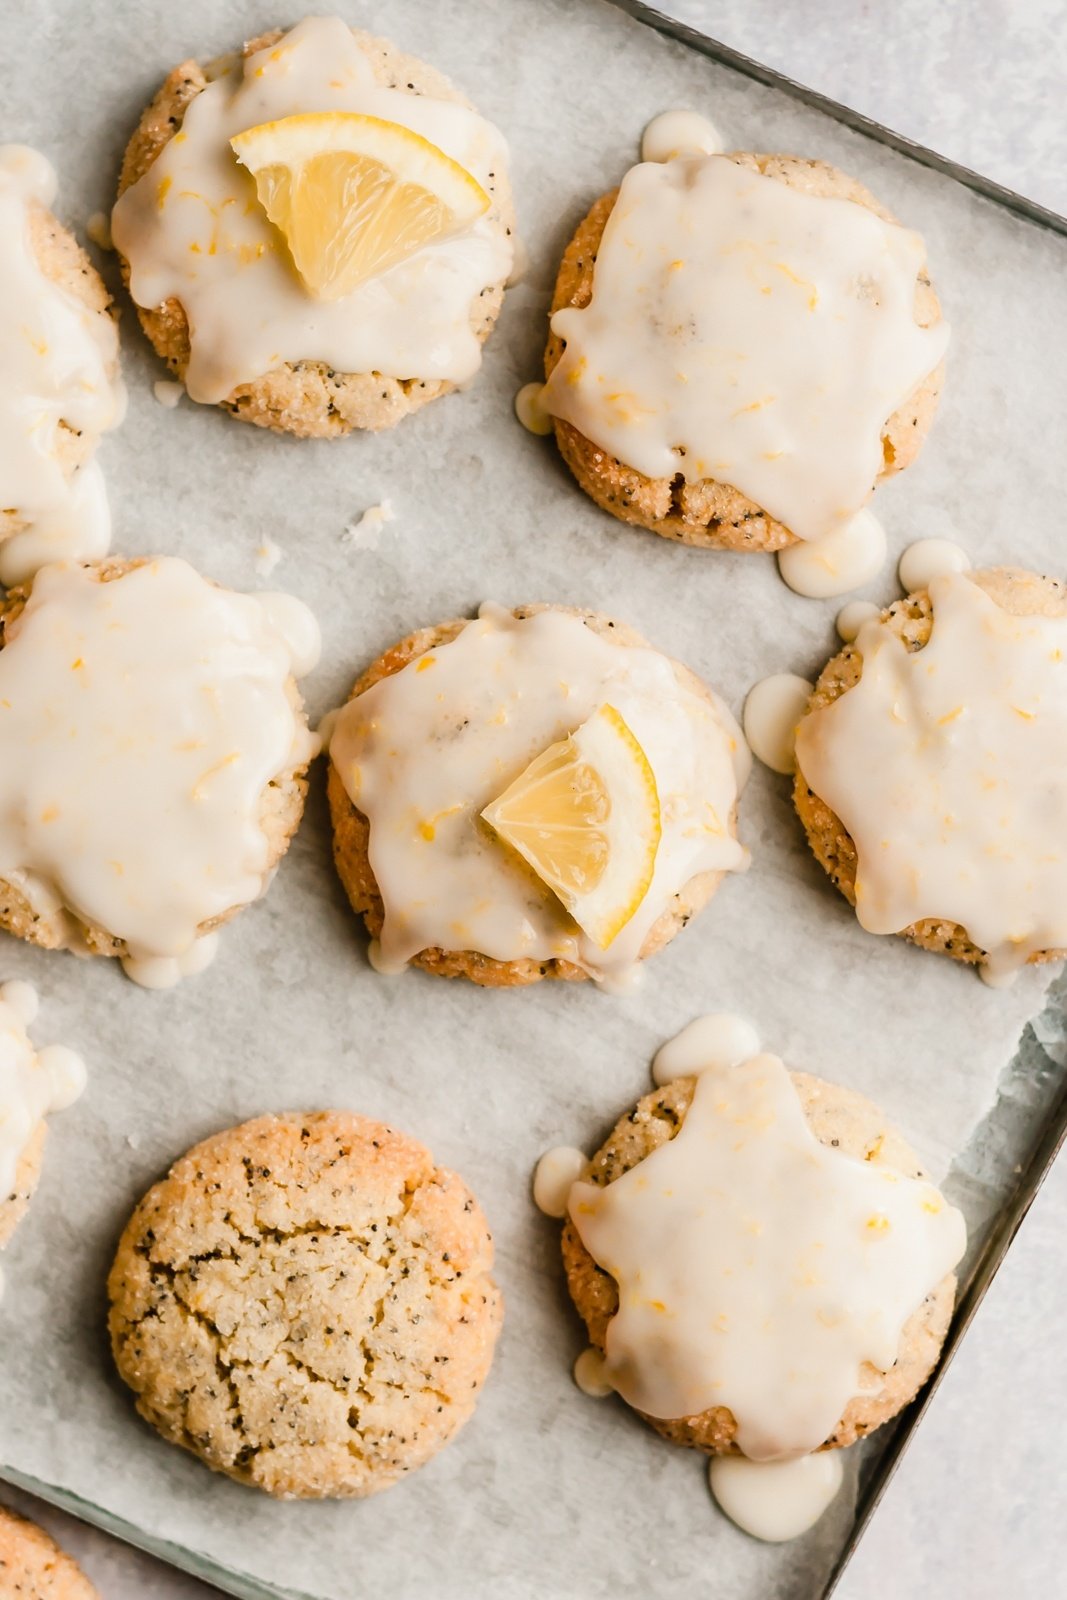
x=585, y=815
x=355, y=195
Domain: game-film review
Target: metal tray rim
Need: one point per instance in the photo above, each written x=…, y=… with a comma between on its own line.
x=1000, y=194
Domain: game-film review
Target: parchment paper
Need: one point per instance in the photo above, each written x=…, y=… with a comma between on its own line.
x=546, y=1492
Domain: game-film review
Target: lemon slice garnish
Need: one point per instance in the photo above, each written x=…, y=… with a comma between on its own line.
x=355, y=195
x=585, y=815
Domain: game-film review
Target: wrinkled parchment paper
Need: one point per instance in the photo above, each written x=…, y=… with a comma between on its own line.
x=546, y=1492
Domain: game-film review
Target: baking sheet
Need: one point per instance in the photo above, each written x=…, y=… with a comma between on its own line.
x=546, y=1491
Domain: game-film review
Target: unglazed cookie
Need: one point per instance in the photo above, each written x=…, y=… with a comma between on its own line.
x=1006, y=694
x=123, y=839
x=305, y=1303
x=463, y=707
x=62, y=388
x=362, y=362
x=33, y=1567
x=838, y=1119
x=708, y=507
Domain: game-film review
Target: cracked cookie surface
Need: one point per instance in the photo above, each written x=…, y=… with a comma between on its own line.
x=33, y=1567
x=305, y=1303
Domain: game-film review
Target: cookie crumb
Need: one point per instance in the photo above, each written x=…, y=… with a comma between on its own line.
x=267, y=557
x=365, y=532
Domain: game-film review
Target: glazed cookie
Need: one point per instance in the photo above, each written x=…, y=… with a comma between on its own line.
x=313, y=324
x=33, y=1567
x=32, y=1084
x=719, y=445
x=931, y=775
x=476, y=761
x=61, y=388
x=784, y=1215
x=18, y=1191
x=305, y=1303
x=152, y=754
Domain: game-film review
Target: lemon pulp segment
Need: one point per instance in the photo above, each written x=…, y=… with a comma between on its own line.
x=585, y=815
x=355, y=195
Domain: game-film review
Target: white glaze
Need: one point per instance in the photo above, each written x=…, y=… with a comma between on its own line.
x=520, y=261
x=32, y=1082
x=948, y=767
x=29, y=173
x=384, y=966
x=627, y=980
x=850, y=619
x=98, y=229
x=775, y=1500
x=192, y=228
x=425, y=750
x=844, y=560
x=717, y=1040
x=324, y=731
x=79, y=528
x=773, y=707
x=141, y=721
x=591, y=1376
x=757, y=1268
x=679, y=133
x=167, y=392
x=530, y=410
x=365, y=532
x=21, y=998
x=60, y=367
x=166, y=972
x=723, y=303
x=295, y=624
x=998, y=977
x=927, y=559
x=553, y=1176
x=66, y=1074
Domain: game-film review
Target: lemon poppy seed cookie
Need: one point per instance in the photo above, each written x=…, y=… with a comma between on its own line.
x=305, y=1303
x=18, y=1191
x=152, y=757
x=33, y=1083
x=697, y=309
x=760, y=1262
x=33, y=1567
x=534, y=794
x=317, y=234
x=931, y=775
x=61, y=388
